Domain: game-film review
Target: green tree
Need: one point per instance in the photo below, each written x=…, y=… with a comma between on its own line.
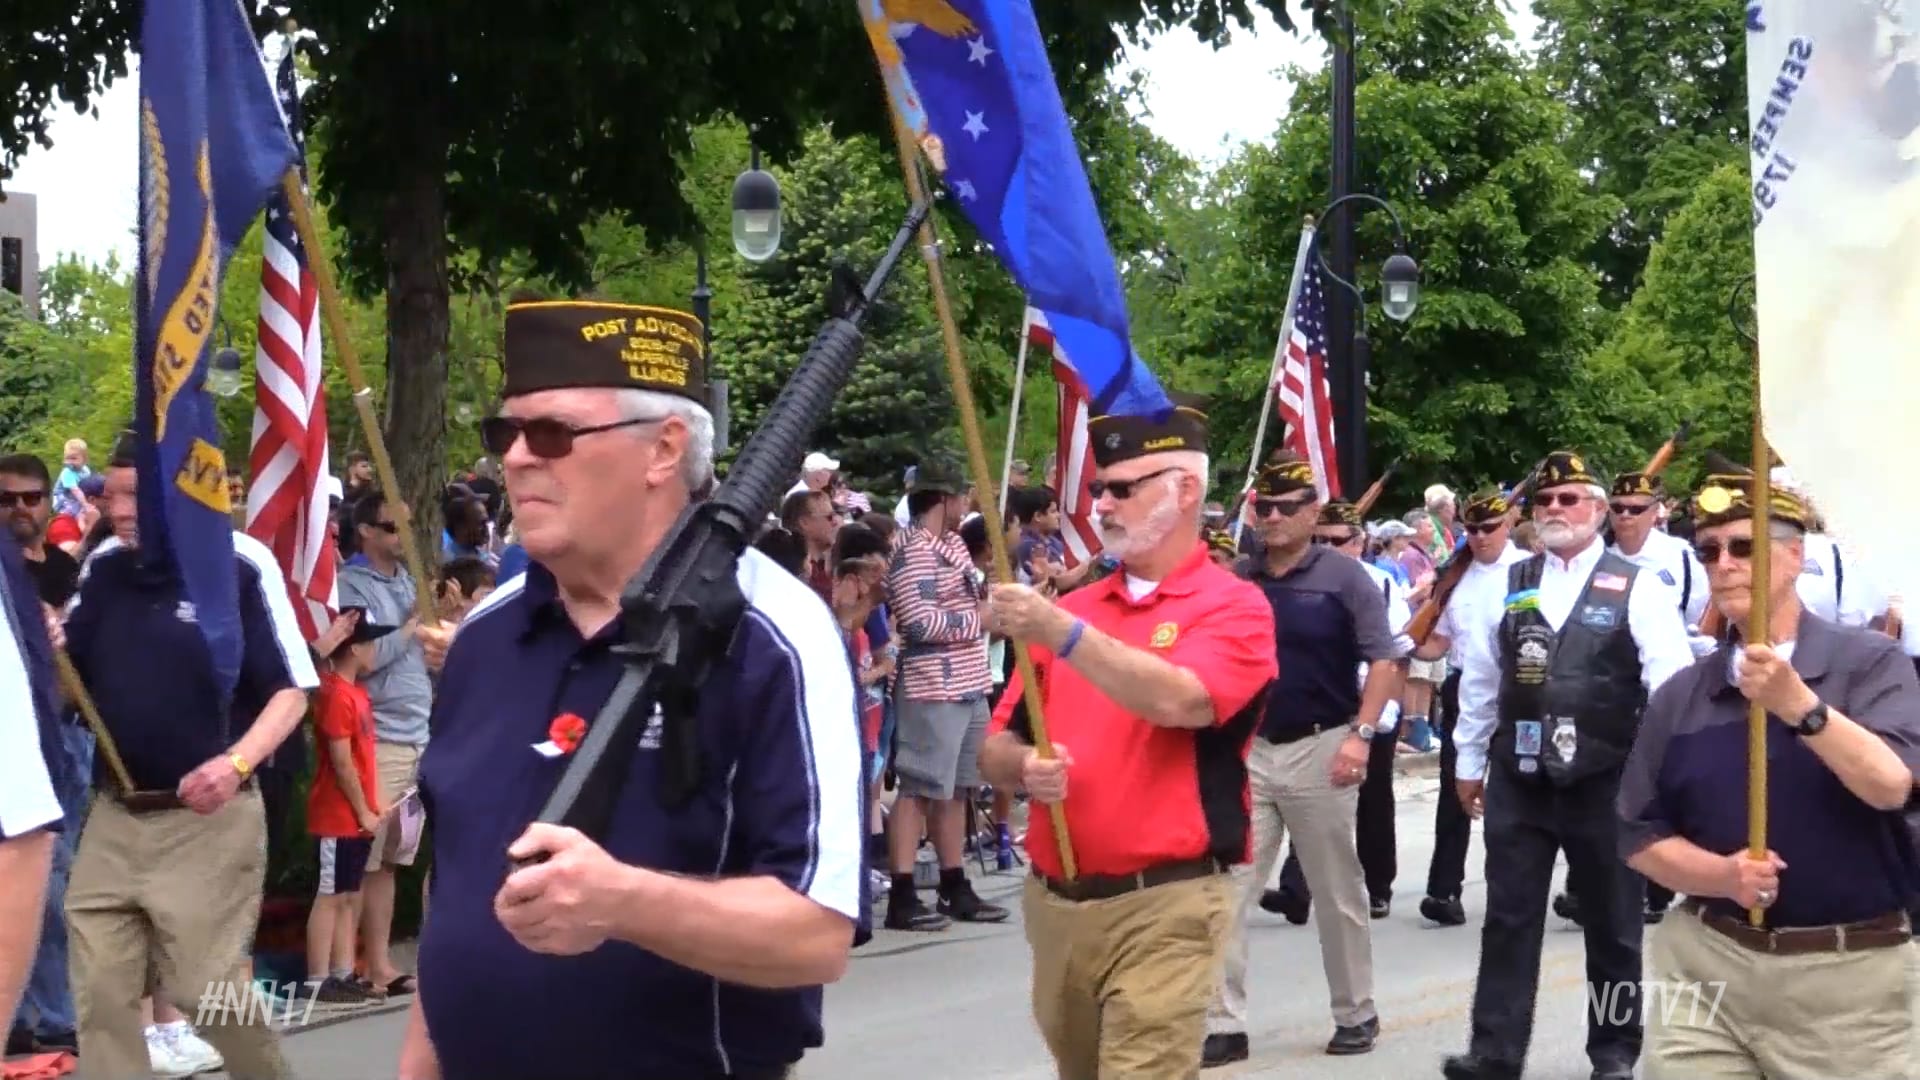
x=1463, y=139
x=1659, y=88
x=507, y=130
x=1675, y=351
x=843, y=203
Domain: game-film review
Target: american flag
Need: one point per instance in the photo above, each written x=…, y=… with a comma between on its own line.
x=1073, y=455
x=287, y=506
x=1306, y=407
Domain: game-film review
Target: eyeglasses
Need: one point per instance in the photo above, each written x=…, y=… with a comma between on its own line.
x=1336, y=541
x=1564, y=499
x=387, y=527
x=1628, y=510
x=10, y=499
x=1709, y=551
x=1283, y=507
x=546, y=436
x=1485, y=528
x=1122, y=490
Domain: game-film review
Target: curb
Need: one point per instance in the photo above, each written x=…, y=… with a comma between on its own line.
x=357, y=1012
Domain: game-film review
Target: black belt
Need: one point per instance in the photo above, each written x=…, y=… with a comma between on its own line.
x=153, y=802
x=1308, y=732
x=1107, y=886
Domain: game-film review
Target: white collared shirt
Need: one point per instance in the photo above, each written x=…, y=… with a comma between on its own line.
x=1834, y=587
x=1653, y=618
x=1398, y=616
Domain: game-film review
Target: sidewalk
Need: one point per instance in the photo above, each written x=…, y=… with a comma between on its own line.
x=292, y=1016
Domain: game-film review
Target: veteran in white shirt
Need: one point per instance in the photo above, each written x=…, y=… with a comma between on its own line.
x=1550, y=702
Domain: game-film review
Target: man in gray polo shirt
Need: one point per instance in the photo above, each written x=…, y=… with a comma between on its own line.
x=402, y=694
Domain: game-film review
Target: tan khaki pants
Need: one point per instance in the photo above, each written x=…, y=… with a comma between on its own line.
x=398, y=769
x=1292, y=790
x=182, y=891
x=1716, y=1010
x=1120, y=986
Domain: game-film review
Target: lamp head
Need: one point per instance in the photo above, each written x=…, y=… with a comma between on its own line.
x=1400, y=287
x=223, y=372
x=756, y=215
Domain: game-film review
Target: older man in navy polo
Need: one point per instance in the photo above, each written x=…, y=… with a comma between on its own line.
x=30, y=813
x=1826, y=985
x=693, y=938
x=174, y=869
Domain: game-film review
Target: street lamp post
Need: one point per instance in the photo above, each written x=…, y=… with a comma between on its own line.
x=223, y=370
x=1399, y=298
x=756, y=237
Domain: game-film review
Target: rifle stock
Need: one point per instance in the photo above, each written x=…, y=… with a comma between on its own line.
x=1449, y=576
x=1372, y=494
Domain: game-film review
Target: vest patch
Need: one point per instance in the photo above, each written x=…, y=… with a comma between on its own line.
x=1565, y=740
x=1526, y=738
x=1532, y=655
x=1599, y=618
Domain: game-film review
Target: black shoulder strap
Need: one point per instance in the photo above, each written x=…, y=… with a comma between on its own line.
x=1839, y=576
x=1386, y=589
x=1686, y=581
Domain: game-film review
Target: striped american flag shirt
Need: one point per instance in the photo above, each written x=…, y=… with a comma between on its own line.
x=933, y=596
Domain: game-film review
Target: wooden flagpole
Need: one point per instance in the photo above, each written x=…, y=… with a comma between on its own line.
x=1758, y=631
x=977, y=463
x=330, y=304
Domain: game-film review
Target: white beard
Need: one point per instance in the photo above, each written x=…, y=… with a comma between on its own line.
x=1561, y=534
x=1123, y=544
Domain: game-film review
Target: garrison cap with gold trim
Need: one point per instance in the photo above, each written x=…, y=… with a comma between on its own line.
x=1484, y=507
x=1123, y=438
x=1638, y=483
x=1340, y=512
x=562, y=344
x=1284, y=477
x=1564, y=467
x=1221, y=540
x=1726, y=494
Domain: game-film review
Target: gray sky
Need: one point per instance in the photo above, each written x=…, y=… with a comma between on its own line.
x=1203, y=101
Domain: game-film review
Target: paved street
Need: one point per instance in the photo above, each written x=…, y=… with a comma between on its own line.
x=955, y=1005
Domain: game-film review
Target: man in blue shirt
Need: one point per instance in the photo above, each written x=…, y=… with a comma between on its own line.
x=172, y=871
x=692, y=939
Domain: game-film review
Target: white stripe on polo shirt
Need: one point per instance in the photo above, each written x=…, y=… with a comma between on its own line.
x=829, y=727
x=286, y=625
x=27, y=801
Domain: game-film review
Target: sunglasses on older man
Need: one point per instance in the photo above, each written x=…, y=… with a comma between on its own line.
x=546, y=436
x=1122, y=490
x=29, y=499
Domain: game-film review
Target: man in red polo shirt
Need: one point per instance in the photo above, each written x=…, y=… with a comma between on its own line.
x=1153, y=680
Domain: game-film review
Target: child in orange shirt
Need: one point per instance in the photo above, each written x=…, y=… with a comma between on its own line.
x=342, y=810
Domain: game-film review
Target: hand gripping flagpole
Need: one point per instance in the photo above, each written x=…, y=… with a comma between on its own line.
x=977, y=463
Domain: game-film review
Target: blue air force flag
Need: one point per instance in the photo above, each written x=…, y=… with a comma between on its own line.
x=212, y=147
x=1834, y=119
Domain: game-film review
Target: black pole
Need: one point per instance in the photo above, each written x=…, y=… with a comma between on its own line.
x=1349, y=376
x=703, y=301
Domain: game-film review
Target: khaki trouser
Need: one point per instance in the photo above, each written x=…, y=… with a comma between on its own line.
x=397, y=766
x=180, y=890
x=1716, y=1010
x=1120, y=986
x=1292, y=789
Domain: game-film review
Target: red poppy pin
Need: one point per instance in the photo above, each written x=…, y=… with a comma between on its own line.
x=563, y=736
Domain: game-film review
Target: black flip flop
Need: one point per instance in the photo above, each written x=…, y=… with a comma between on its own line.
x=405, y=984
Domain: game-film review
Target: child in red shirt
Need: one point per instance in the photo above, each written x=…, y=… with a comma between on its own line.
x=342, y=808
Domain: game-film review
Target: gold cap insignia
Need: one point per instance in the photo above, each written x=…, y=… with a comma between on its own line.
x=1714, y=500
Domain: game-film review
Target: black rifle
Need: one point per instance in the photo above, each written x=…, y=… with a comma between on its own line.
x=680, y=613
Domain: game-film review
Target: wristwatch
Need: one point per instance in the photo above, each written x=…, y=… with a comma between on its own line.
x=1365, y=732
x=1813, y=723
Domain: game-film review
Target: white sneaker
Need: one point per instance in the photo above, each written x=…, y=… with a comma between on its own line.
x=191, y=1052
x=161, y=1056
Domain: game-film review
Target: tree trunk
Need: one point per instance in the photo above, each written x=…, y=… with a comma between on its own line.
x=417, y=294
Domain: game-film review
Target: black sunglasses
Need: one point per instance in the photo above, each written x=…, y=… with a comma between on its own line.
x=1122, y=490
x=1629, y=511
x=546, y=437
x=1283, y=507
x=1487, y=528
x=1709, y=551
x=10, y=499
x=1565, y=499
x=1336, y=541
x=387, y=527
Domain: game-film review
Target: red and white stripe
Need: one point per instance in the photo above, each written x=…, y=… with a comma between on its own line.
x=287, y=503
x=1073, y=455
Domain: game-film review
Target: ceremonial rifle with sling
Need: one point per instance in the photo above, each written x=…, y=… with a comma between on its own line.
x=1454, y=570
x=680, y=612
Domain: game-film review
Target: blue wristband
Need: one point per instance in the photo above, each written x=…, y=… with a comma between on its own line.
x=1073, y=638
